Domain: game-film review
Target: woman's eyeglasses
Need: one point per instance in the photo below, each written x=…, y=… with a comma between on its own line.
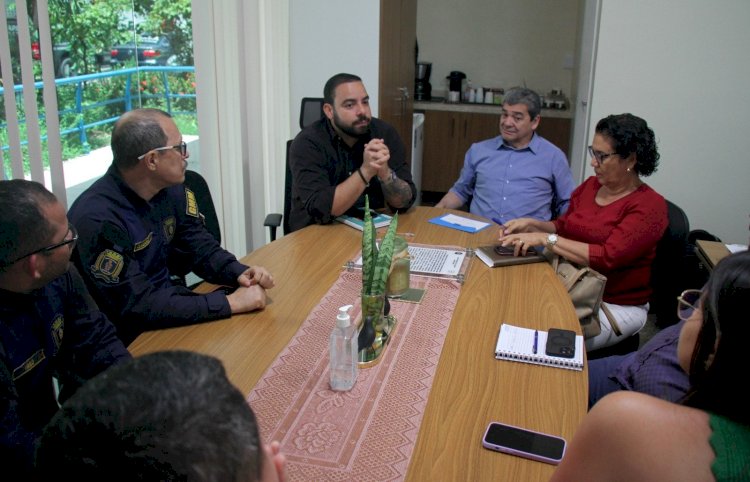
x=687, y=302
x=600, y=156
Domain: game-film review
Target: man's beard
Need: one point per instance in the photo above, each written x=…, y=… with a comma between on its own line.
x=351, y=130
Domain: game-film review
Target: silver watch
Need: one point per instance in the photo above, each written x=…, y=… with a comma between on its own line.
x=551, y=240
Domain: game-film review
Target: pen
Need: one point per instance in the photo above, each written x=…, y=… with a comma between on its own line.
x=536, y=340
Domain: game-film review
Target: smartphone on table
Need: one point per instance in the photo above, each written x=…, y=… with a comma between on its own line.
x=524, y=443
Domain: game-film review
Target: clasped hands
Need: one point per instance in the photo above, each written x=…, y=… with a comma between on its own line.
x=375, y=160
x=251, y=293
x=515, y=233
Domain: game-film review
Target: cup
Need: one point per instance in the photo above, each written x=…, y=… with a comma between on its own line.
x=399, y=277
x=453, y=96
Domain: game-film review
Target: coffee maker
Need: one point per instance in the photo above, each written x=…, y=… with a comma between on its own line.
x=422, y=87
x=457, y=81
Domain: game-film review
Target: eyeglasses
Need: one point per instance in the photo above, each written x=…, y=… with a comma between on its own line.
x=67, y=241
x=600, y=156
x=182, y=146
x=687, y=303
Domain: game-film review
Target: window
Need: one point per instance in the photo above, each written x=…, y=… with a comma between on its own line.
x=105, y=58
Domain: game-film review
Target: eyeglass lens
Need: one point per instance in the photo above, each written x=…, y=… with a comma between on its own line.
x=687, y=303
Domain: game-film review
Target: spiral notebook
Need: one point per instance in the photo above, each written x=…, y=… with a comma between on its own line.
x=515, y=343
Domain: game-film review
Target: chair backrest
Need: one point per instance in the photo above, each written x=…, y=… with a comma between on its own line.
x=311, y=110
x=669, y=267
x=196, y=183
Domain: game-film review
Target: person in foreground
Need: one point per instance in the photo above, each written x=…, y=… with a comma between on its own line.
x=139, y=220
x=632, y=436
x=51, y=328
x=613, y=224
x=170, y=415
x=340, y=158
x=518, y=174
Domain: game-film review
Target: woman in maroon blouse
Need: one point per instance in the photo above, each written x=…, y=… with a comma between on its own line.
x=613, y=223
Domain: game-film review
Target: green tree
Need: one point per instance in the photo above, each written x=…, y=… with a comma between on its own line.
x=90, y=26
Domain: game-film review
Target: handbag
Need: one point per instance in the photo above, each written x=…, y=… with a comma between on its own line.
x=585, y=286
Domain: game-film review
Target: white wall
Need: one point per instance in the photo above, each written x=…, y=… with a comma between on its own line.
x=327, y=37
x=500, y=43
x=683, y=66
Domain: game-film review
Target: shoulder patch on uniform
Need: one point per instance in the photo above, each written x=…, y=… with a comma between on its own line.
x=143, y=244
x=34, y=360
x=169, y=226
x=191, y=204
x=58, y=324
x=108, y=265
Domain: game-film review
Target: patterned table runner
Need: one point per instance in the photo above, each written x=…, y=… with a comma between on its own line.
x=369, y=432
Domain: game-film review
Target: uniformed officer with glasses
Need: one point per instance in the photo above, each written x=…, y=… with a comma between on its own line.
x=137, y=219
x=52, y=335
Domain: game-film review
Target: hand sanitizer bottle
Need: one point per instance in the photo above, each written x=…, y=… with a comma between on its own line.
x=343, y=352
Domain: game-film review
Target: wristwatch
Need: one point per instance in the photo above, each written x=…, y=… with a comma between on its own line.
x=551, y=241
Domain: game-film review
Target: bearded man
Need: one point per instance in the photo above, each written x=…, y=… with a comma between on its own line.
x=345, y=155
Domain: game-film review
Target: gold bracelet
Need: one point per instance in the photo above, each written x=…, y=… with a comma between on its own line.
x=359, y=171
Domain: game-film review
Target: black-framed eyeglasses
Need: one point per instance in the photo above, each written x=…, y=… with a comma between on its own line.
x=687, y=303
x=182, y=147
x=600, y=156
x=67, y=241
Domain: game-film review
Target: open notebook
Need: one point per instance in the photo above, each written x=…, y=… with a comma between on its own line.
x=515, y=343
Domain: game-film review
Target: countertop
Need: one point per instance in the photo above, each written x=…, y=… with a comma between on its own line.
x=441, y=105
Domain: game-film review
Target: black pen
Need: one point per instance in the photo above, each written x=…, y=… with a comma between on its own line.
x=536, y=340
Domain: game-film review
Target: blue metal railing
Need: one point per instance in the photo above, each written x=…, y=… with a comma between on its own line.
x=80, y=107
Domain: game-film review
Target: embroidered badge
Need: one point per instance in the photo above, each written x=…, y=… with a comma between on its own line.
x=143, y=244
x=192, y=204
x=57, y=330
x=108, y=266
x=169, y=226
x=29, y=364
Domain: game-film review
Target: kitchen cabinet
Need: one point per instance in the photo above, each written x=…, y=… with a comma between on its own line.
x=447, y=137
x=449, y=133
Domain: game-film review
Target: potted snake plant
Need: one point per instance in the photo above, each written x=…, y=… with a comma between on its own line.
x=376, y=264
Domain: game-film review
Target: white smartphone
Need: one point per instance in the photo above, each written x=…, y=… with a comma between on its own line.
x=524, y=443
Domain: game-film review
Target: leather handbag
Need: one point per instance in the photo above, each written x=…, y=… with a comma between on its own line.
x=585, y=286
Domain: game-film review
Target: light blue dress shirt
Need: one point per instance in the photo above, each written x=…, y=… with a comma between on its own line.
x=506, y=183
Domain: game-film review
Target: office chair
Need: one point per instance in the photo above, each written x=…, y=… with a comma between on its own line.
x=196, y=183
x=311, y=110
x=667, y=280
x=668, y=270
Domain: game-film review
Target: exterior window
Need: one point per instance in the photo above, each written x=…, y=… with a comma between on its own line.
x=105, y=58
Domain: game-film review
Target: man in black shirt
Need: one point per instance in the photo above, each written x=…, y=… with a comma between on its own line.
x=349, y=153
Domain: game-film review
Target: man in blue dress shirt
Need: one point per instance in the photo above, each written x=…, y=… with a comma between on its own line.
x=517, y=174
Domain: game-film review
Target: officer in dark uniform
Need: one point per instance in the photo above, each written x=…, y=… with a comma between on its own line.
x=138, y=219
x=50, y=326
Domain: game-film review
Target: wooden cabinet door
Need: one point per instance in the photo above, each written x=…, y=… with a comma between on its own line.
x=481, y=127
x=398, y=37
x=442, y=132
x=557, y=131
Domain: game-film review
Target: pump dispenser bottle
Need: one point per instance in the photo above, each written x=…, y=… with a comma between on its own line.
x=343, y=352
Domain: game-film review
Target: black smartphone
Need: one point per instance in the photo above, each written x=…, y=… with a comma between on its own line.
x=524, y=443
x=561, y=343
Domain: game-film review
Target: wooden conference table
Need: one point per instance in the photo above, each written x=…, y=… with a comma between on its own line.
x=470, y=387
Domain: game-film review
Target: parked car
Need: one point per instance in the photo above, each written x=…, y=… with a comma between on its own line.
x=61, y=60
x=151, y=50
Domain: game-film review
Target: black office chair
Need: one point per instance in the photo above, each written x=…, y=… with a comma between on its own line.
x=667, y=280
x=668, y=270
x=311, y=110
x=196, y=183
